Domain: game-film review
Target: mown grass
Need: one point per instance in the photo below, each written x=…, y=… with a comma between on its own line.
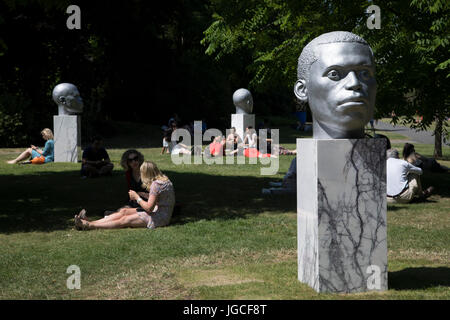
x=228, y=241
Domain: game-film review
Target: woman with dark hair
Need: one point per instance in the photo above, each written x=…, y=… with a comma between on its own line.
x=409, y=152
x=430, y=164
x=131, y=161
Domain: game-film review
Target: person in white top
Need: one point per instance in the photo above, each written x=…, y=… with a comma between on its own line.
x=403, y=180
x=251, y=138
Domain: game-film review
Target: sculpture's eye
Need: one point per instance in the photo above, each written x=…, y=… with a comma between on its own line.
x=365, y=74
x=333, y=75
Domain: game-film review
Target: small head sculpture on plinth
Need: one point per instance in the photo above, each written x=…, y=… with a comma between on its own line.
x=68, y=99
x=336, y=77
x=243, y=100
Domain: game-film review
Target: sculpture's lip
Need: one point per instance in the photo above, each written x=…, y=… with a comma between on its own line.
x=352, y=103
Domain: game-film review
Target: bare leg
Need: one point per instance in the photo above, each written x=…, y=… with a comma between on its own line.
x=117, y=215
x=24, y=155
x=129, y=221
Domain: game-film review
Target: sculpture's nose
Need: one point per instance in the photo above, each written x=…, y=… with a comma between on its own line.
x=353, y=82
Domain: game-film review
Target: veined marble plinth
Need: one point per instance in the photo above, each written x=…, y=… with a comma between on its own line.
x=67, y=136
x=341, y=214
x=242, y=121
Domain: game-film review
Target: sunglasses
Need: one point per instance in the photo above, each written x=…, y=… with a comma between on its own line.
x=136, y=158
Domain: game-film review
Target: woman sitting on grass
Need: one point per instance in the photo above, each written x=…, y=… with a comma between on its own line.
x=216, y=148
x=429, y=164
x=38, y=156
x=156, y=212
x=251, y=142
x=131, y=161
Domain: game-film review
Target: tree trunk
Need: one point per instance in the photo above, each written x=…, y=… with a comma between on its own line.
x=438, y=139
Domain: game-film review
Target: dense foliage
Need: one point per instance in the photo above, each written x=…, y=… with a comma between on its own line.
x=138, y=61
x=411, y=48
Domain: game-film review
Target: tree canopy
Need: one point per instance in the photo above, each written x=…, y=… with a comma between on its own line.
x=411, y=47
x=141, y=61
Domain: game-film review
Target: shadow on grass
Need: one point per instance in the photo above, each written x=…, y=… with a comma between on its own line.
x=388, y=130
x=48, y=201
x=441, y=182
x=419, y=278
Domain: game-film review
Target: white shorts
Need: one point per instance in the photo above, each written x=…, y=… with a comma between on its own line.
x=165, y=143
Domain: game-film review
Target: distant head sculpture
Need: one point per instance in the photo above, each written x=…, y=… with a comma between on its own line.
x=68, y=99
x=336, y=76
x=243, y=100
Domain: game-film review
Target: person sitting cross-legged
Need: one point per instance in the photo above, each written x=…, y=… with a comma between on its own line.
x=155, y=212
x=95, y=160
x=403, y=180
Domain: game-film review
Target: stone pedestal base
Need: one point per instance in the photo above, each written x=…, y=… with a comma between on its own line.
x=67, y=132
x=341, y=214
x=242, y=121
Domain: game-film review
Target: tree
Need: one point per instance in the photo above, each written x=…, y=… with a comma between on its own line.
x=411, y=48
x=413, y=65
x=134, y=61
x=269, y=36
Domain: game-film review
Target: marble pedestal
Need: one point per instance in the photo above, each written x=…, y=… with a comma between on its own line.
x=242, y=121
x=341, y=214
x=67, y=134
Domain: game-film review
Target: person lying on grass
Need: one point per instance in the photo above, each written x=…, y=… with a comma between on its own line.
x=156, y=212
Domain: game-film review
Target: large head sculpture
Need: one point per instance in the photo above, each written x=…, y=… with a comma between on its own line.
x=68, y=99
x=243, y=100
x=336, y=76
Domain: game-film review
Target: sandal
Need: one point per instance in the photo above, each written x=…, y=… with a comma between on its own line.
x=82, y=214
x=79, y=225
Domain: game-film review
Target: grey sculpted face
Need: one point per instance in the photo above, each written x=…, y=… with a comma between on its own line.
x=68, y=99
x=336, y=76
x=243, y=100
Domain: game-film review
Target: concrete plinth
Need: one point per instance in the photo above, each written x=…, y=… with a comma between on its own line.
x=67, y=133
x=242, y=121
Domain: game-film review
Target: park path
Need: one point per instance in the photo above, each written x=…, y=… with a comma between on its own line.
x=426, y=137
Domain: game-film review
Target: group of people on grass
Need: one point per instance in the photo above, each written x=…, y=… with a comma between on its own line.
x=151, y=198
x=151, y=195
x=403, y=175
x=221, y=145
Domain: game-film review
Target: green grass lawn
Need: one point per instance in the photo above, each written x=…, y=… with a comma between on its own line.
x=228, y=241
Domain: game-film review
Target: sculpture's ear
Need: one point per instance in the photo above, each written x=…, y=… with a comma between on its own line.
x=300, y=90
x=62, y=99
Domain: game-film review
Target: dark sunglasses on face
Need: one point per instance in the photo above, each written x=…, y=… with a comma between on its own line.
x=136, y=158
